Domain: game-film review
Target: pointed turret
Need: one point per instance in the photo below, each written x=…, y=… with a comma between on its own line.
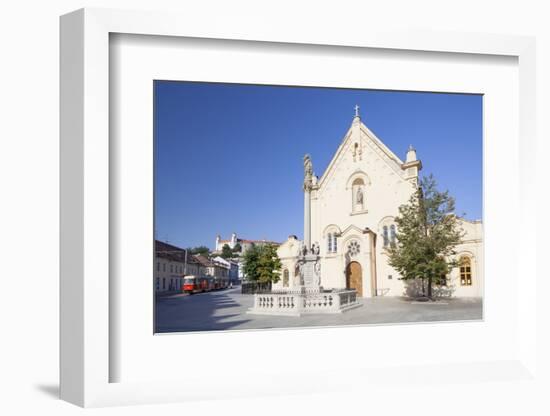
x=411, y=154
x=412, y=165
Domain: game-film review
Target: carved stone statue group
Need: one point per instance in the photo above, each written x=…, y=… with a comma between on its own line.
x=315, y=249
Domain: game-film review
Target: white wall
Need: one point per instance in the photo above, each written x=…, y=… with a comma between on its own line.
x=29, y=209
x=385, y=189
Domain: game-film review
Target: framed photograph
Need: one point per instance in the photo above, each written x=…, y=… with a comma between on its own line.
x=283, y=212
x=346, y=247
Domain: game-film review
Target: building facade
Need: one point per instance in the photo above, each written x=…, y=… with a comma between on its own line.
x=218, y=269
x=245, y=244
x=349, y=213
x=171, y=265
x=237, y=269
x=232, y=267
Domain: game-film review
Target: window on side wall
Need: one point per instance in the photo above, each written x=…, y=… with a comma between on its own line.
x=332, y=245
x=393, y=235
x=465, y=265
x=385, y=235
x=285, y=277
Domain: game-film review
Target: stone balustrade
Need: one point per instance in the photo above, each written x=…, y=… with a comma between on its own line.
x=299, y=303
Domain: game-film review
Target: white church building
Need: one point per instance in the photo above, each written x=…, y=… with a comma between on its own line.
x=349, y=213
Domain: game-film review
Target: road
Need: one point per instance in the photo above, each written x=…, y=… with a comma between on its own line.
x=226, y=310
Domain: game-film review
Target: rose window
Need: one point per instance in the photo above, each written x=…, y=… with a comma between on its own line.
x=354, y=248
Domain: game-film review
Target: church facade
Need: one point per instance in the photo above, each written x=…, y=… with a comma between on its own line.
x=349, y=216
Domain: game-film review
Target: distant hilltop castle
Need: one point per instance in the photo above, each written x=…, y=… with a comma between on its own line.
x=244, y=243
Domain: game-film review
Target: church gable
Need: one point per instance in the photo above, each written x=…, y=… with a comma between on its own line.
x=351, y=229
x=359, y=151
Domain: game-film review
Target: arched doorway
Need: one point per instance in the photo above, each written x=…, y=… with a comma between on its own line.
x=354, y=277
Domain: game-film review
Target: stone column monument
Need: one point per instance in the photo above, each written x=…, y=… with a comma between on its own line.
x=308, y=184
x=309, y=297
x=309, y=260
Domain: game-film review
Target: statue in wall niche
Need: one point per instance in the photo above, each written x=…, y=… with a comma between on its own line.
x=359, y=196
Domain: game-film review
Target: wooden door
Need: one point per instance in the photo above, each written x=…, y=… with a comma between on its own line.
x=354, y=277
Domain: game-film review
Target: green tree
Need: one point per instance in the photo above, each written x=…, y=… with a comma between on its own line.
x=262, y=264
x=227, y=253
x=205, y=251
x=427, y=233
x=237, y=248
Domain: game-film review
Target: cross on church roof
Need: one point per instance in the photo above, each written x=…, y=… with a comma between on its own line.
x=356, y=110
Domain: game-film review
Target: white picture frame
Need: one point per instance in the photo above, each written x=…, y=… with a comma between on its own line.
x=86, y=304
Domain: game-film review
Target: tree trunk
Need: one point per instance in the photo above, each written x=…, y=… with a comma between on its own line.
x=430, y=287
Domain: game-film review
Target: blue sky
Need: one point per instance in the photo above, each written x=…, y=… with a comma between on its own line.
x=228, y=157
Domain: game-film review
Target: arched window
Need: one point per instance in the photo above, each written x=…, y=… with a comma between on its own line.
x=385, y=235
x=332, y=245
x=285, y=277
x=465, y=271
x=393, y=235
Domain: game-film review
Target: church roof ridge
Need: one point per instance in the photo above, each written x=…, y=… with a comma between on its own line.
x=381, y=144
x=372, y=137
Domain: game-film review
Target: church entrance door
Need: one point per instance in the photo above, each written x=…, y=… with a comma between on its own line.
x=354, y=277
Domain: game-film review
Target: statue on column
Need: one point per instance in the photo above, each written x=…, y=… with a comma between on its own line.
x=308, y=172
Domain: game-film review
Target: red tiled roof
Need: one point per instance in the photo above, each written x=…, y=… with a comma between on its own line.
x=242, y=240
x=171, y=252
x=204, y=261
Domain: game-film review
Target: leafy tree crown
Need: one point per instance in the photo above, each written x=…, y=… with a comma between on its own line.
x=427, y=233
x=262, y=264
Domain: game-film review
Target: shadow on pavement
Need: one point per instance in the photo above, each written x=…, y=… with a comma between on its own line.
x=199, y=312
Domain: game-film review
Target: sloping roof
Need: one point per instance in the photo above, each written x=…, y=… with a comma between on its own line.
x=242, y=240
x=358, y=127
x=202, y=260
x=206, y=262
x=172, y=253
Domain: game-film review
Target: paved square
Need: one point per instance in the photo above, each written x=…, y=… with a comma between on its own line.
x=226, y=310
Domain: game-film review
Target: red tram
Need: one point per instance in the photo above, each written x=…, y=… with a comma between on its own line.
x=194, y=284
